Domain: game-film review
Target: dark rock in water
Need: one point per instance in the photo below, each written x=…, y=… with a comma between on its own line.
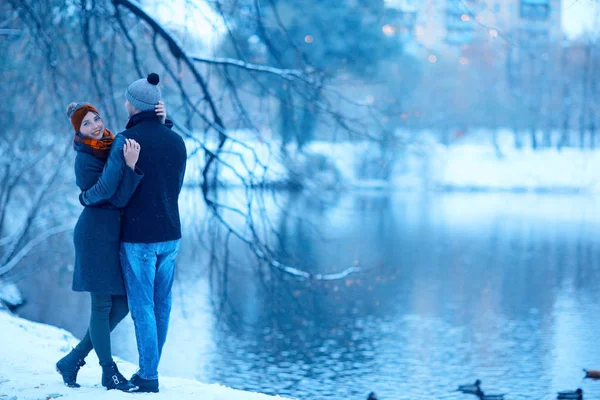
x=372, y=396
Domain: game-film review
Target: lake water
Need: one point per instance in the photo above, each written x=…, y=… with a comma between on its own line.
x=453, y=287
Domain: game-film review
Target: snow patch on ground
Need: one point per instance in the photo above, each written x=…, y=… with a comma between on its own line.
x=480, y=167
x=10, y=295
x=29, y=351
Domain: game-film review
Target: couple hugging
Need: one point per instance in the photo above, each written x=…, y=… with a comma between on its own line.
x=127, y=237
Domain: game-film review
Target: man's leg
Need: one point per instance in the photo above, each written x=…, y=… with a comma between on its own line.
x=165, y=272
x=139, y=269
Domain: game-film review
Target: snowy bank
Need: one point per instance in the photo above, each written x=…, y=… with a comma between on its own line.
x=10, y=295
x=480, y=167
x=29, y=350
x=422, y=164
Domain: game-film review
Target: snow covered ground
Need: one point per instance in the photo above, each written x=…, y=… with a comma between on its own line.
x=10, y=296
x=479, y=167
x=424, y=164
x=29, y=350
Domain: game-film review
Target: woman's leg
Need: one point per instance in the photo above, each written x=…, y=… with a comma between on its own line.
x=118, y=311
x=111, y=376
x=100, y=326
x=106, y=310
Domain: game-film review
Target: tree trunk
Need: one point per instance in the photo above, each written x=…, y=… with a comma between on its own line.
x=286, y=118
x=534, y=143
x=308, y=122
x=585, y=92
x=564, y=137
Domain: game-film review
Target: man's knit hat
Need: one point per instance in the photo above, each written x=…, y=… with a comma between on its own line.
x=144, y=94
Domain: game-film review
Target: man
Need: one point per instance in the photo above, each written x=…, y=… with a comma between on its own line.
x=150, y=226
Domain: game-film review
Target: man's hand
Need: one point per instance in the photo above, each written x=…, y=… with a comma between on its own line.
x=131, y=152
x=161, y=111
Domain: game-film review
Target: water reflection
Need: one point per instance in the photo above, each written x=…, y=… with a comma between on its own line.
x=454, y=286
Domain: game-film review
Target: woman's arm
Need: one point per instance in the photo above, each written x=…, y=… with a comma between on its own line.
x=107, y=185
x=131, y=180
x=87, y=170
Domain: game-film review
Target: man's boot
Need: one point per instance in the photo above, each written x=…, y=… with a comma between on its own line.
x=144, y=385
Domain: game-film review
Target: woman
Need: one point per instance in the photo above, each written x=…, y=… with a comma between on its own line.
x=96, y=238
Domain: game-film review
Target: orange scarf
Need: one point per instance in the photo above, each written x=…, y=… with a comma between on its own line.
x=97, y=147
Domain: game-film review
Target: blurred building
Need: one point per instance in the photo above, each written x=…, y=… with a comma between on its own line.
x=439, y=24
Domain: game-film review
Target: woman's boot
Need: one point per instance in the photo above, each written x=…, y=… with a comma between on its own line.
x=113, y=379
x=68, y=367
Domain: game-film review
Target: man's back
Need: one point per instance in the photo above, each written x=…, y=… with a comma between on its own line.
x=152, y=214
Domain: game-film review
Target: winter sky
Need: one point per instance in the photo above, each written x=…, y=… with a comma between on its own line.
x=578, y=16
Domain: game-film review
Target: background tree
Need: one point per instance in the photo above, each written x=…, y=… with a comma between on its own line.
x=335, y=42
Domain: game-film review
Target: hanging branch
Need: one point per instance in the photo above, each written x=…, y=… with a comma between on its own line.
x=287, y=74
x=216, y=122
x=179, y=54
x=20, y=245
x=176, y=50
x=134, y=50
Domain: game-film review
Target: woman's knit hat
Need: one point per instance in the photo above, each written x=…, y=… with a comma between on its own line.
x=144, y=94
x=77, y=112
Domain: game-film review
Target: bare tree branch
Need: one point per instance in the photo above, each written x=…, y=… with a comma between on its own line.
x=33, y=212
x=33, y=243
x=287, y=74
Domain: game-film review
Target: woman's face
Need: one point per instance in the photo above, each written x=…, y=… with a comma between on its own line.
x=92, y=126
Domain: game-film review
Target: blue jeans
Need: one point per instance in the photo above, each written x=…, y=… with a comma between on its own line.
x=149, y=269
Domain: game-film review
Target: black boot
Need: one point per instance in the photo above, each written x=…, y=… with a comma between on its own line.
x=68, y=367
x=144, y=385
x=113, y=379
